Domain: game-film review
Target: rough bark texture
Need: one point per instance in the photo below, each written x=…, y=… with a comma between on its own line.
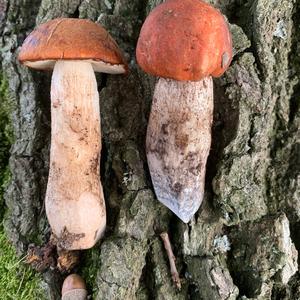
x=241, y=244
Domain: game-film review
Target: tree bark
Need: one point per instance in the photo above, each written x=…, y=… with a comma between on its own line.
x=243, y=240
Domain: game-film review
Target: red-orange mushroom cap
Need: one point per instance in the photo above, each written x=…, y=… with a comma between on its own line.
x=184, y=40
x=72, y=39
x=73, y=282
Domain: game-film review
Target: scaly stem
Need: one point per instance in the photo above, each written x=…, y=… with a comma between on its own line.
x=178, y=143
x=75, y=204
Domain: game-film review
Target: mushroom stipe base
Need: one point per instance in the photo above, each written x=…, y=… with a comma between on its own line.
x=178, y=143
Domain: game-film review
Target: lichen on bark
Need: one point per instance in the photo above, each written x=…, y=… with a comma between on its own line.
x=252, y=182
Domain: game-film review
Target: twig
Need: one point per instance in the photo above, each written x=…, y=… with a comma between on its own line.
x=175, y=276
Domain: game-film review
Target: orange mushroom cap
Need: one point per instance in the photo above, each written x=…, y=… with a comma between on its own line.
x=184, y=40
x=73, y=282
x=70, y=39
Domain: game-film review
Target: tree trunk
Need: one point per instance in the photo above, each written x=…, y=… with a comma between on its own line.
x=242, y=241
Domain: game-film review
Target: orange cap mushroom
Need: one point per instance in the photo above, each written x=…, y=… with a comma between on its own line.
x=74, y=48
x=74, y=287
x=186, y=42
x=72, y=39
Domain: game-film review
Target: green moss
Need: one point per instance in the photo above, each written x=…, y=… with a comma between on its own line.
x=6, y=107
x=6, y=139
x=17, y=281
x=90, y=268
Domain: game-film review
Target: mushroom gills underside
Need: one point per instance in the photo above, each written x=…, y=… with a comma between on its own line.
x=98, y=66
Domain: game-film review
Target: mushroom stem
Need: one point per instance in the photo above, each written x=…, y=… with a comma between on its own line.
x=75, y=204
x=178, y=143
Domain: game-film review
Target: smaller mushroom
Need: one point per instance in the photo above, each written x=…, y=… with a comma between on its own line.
x=184, y=42
x=74, y=287
x=75, y=49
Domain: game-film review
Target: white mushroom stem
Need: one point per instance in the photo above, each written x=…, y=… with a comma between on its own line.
x=75, y=204
x=178, y=143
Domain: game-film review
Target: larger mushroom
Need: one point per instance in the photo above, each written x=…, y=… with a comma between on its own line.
x=74, y=48
x=184, y=42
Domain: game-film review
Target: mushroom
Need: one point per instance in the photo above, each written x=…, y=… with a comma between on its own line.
x=74, y=48
x=184, y=42
x=73, y=287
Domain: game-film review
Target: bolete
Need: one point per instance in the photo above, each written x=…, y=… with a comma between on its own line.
x=73, y=288
x=75, y=49
x=184, y=42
